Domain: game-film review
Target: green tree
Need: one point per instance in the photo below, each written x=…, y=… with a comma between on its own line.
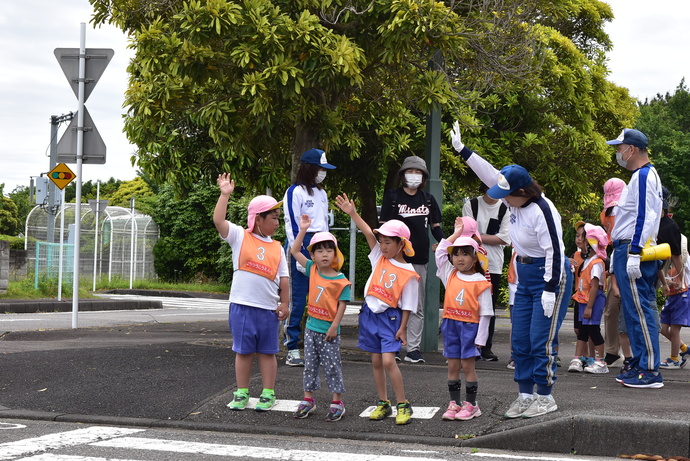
x=666, y=122
x=20, y=197
x=144, y=197
x=248, y=86
x=10, y=224
x=188, y=247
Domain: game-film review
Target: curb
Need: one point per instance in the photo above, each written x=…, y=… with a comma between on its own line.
x=32, y=306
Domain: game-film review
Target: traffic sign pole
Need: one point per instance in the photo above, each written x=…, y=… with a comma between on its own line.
x=80, y=156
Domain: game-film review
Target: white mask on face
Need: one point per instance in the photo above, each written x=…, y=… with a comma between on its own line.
x=619, y=159
x=320, y=176
x=413, y=180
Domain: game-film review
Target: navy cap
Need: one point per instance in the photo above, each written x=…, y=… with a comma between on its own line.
x=317, y=157
x=630, y=136
x=510, y=179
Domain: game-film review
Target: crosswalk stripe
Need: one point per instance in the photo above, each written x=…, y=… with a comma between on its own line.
x=54, y=457
x=23, y=447
x=245, y=451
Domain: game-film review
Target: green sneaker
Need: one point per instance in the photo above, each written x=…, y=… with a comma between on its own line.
x=239, y=401
x=404, y=415
x=382, y=410
x=266, y=402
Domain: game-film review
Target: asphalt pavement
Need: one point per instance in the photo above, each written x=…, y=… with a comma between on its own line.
x=182, y=375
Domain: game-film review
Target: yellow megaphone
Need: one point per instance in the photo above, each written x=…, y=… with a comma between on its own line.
x=656, y=252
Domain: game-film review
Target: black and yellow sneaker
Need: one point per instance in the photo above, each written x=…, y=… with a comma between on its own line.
x=382, y=410
x=404, y=415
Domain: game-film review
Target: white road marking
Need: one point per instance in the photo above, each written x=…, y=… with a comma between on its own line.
x=53, y=457
x=538, y=458
x=245, y=452
x=6, y=426
x=417, y=412
x=59, y=440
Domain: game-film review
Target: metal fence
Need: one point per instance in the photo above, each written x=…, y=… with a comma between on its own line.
x=115, y=243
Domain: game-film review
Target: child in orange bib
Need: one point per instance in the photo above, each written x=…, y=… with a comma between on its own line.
x=258, y=294
x=329, y=292
x=467, y=312
x=390, y=296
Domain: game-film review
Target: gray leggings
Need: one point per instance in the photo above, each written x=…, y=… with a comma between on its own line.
x=319, y=352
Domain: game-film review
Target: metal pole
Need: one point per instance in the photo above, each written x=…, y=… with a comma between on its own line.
x=52, y=188
x=62, y=243
x=80, y=157
x=353, y=255
x=95, y=232
x=131, y=251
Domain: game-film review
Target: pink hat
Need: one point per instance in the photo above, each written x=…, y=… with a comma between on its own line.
x=469, y=228
x=597, y=239
x=612, y=191
x=260, y=204
x=328, y=237
x=463, y=242
x=396, y=228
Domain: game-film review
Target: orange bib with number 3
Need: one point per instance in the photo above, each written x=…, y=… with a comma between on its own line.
x=259, y=257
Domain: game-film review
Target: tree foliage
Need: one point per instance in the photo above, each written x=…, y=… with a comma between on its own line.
x=247, y=86
x=666, y=122
x=10, y=224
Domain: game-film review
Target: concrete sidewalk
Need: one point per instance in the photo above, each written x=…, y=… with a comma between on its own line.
x=182, y=375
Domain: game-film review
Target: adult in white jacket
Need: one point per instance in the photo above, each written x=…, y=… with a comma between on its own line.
x=544, y=279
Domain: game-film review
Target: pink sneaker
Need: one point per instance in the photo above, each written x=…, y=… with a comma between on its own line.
x=451, y=412
x=468, y=411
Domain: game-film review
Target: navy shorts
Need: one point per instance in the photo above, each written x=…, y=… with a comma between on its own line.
x=254, y=330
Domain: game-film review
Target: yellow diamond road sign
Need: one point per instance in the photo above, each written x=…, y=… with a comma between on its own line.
x=61, y=175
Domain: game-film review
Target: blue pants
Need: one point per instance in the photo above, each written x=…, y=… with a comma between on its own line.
x=638, y=309
x=535, y=336
x=300, y=289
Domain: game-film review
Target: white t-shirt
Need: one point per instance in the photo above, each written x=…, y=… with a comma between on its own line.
x=297, y=202
x=408, y=299
x=485, y=212
x=248, y=288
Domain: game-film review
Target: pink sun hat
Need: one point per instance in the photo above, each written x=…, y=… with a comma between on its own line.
x=598, y=239
x=319, y=237
x=463, y=242
x=470, y=228
x=396, y=228
x=260, y=204
x=612, y=191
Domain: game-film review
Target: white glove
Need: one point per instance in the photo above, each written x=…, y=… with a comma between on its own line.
x=456, y=138
x=632, y=267
x=548, y=301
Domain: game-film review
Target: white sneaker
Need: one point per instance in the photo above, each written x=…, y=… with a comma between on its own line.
x=518, y=407
x=575, y=365
x=599, y=366
x=541, y=405
x=293, y=359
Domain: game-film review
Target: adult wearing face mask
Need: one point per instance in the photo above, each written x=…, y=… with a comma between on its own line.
x=638, y=214
x=419, y=211
x=305, y=197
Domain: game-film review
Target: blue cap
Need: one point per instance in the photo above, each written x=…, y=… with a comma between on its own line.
x=630, y=136
x=510, y=179
x=317, y=157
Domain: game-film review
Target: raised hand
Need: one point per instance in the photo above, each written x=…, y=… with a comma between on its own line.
x=226, y=183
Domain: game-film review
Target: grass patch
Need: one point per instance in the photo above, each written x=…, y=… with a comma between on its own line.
x=48, y=288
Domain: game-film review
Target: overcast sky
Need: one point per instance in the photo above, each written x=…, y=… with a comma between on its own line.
x=651, y=42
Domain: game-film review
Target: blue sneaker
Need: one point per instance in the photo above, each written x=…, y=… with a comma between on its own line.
x=644, y=380
x=627, y=372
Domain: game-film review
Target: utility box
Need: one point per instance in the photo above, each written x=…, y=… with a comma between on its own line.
x=41, y=190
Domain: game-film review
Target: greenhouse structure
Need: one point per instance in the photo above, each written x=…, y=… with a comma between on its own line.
x=115, y=242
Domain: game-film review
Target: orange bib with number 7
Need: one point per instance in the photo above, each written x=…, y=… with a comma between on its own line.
x=259, y=257
x=324, y=295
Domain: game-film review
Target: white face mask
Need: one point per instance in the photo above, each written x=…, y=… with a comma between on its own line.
x=619, y=159
x=320, y=176
x=413, y=180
